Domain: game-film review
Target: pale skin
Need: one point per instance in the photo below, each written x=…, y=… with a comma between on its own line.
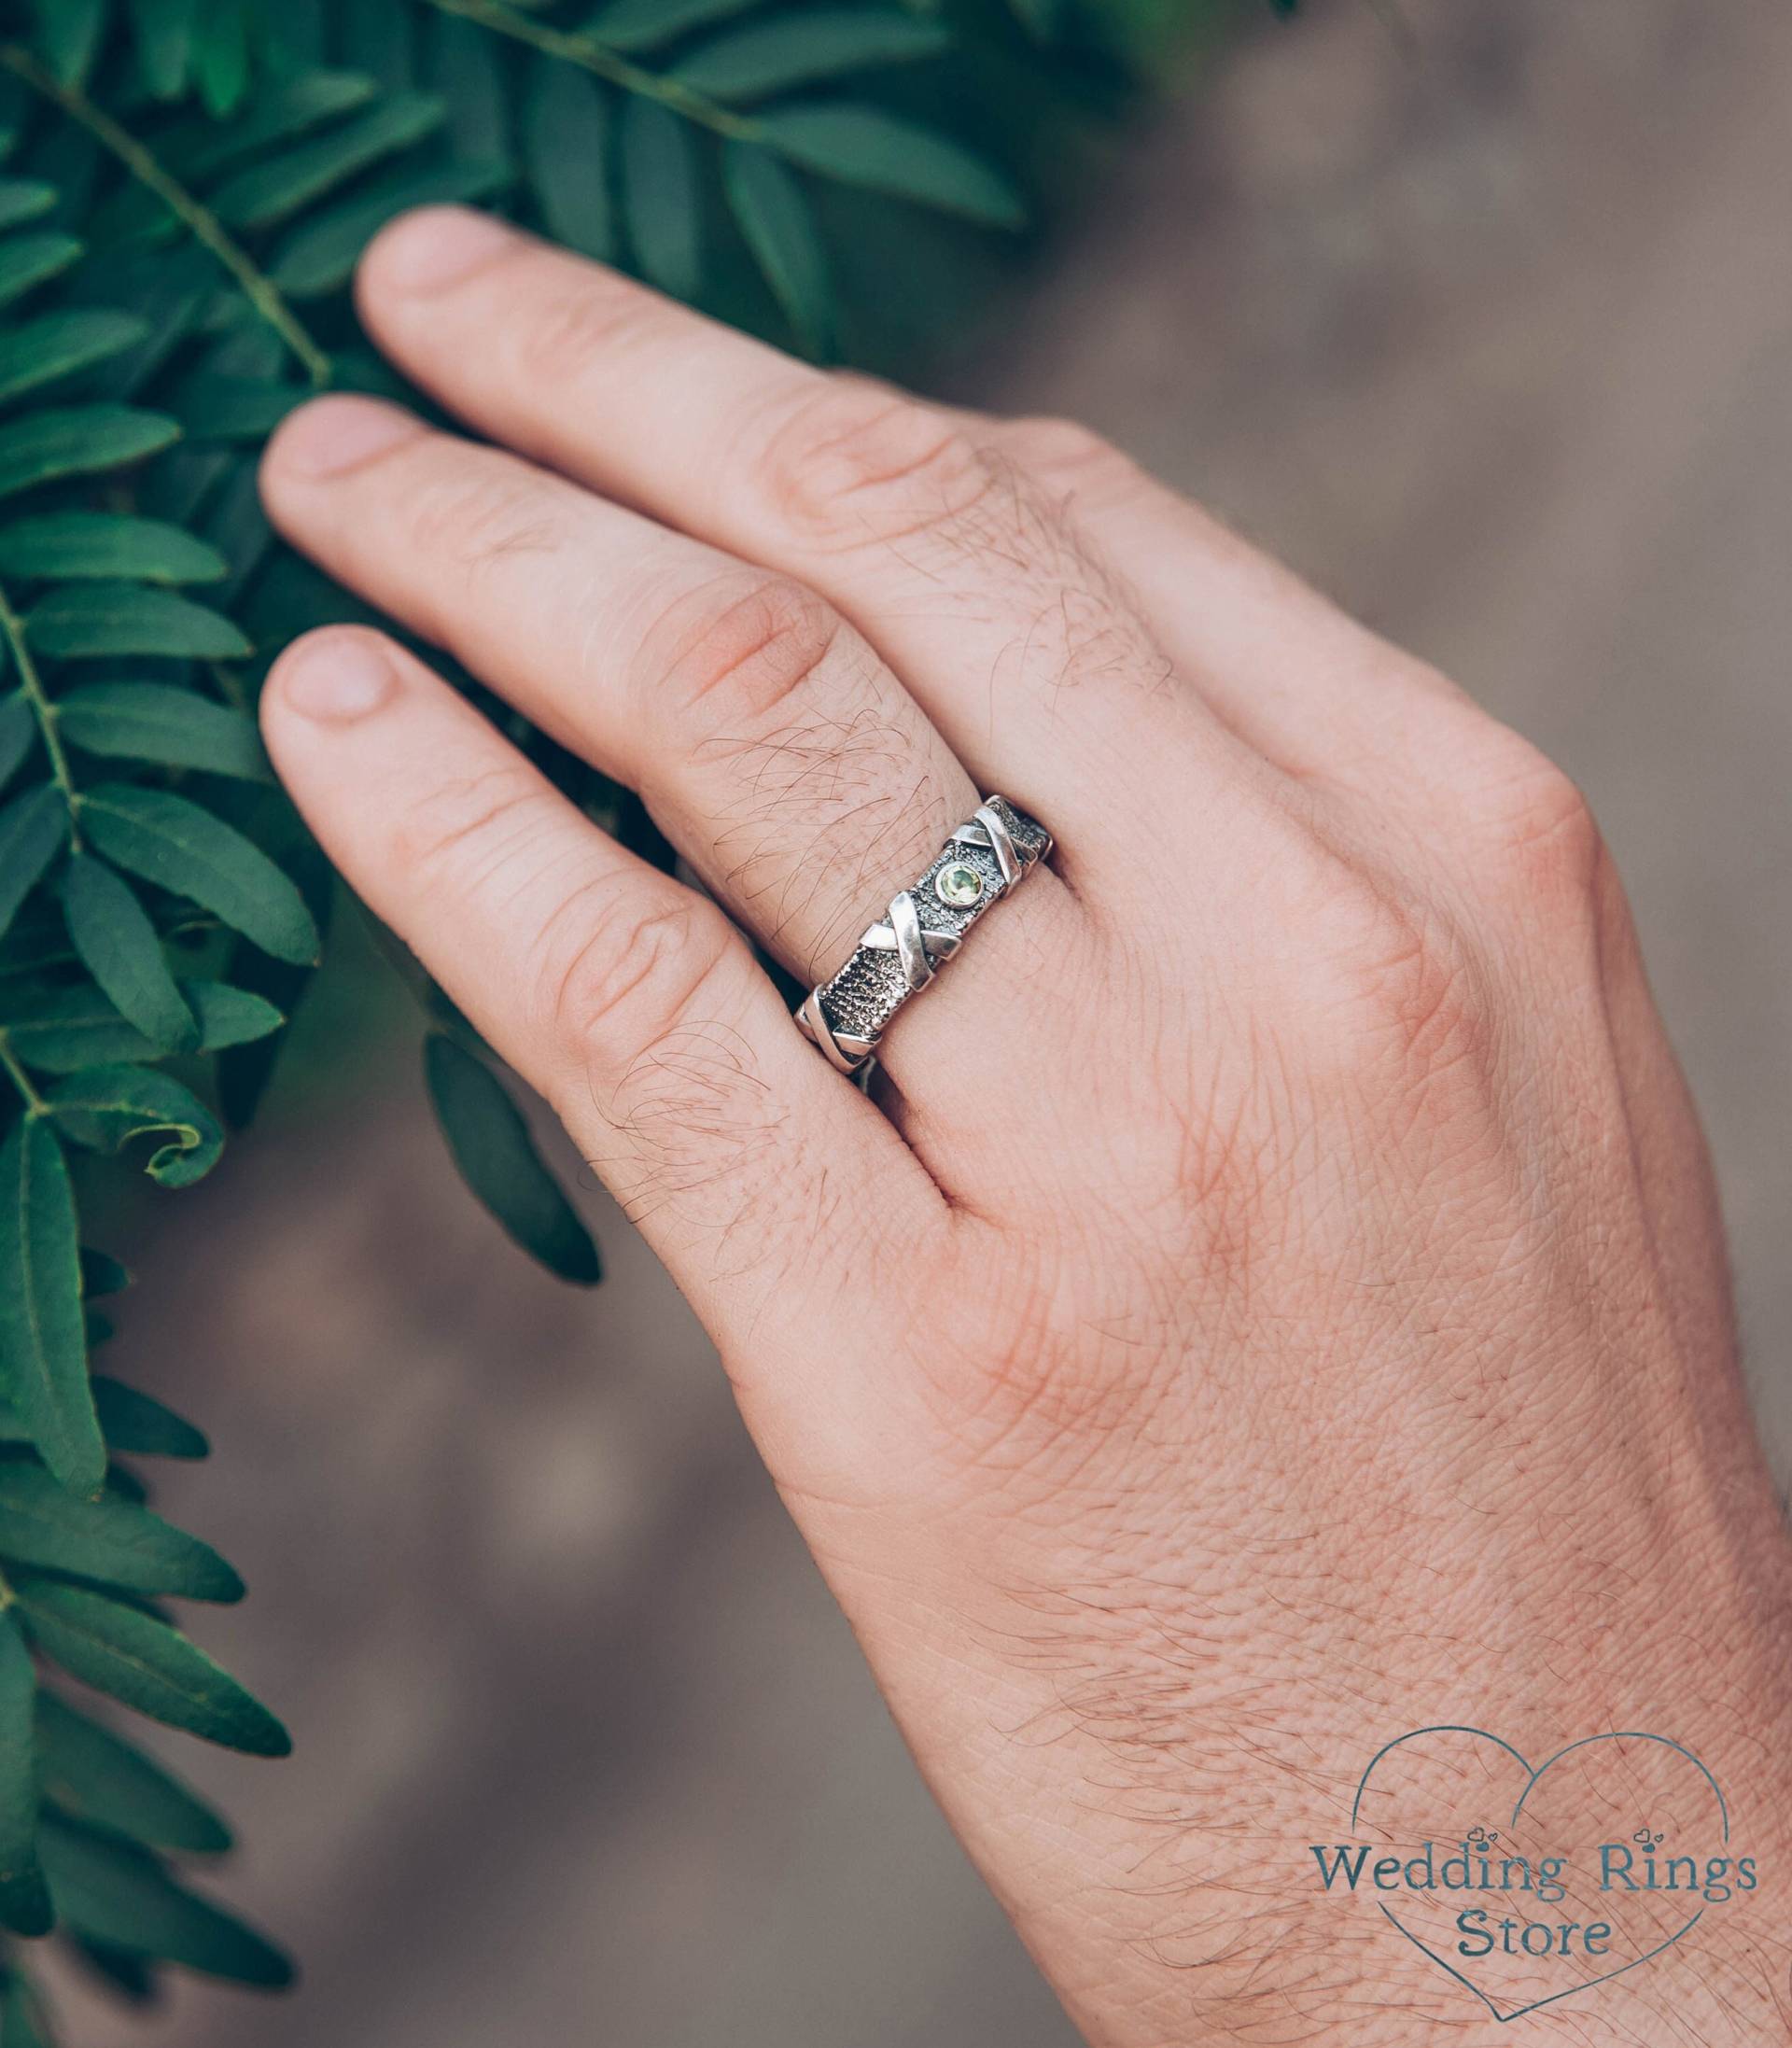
x=1277, y=1294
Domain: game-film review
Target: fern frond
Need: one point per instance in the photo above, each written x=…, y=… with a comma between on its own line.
x=185, y=187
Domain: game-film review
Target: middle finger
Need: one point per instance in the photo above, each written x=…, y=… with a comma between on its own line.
x=776, y=750
x=1026, y=652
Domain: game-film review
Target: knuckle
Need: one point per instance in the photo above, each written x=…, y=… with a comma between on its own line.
x=1065, y=452
x=1543, y=844
x=1425, y=1001
x=475, y=517
x=644, y=1038
x=574, y=324
x=614, y=975
x=702, y=1132
x=1022, y=1388
x=1050, y=442
x=1082, y=631
x=855, y=464
x=1554, y=837
x=1398, y=999
x=463, y=833
x=725, y=661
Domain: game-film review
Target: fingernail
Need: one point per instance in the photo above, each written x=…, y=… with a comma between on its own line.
x=433, y=248
x=330, y=435
x=336, y=676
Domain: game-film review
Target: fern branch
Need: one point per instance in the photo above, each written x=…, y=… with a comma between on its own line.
x=577, y=48
x=197, y=217
x=12, y=629
x=35, y=1106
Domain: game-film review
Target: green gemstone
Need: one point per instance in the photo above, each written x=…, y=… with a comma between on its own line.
x=957, y=885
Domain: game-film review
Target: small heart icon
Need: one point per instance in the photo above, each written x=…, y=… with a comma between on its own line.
x=1529, y=1884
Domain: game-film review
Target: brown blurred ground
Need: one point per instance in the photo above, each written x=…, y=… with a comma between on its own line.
x=1486, y=323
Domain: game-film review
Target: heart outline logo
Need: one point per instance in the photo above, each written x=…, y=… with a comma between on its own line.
x=1533, y=1776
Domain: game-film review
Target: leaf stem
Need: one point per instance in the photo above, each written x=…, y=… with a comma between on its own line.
x=577, y=48
x=35, y=1103
x=198, y=218
x=12, y=630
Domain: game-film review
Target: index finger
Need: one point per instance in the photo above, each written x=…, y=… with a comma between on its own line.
x=625, y=998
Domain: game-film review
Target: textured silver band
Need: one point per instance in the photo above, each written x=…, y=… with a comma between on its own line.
x=989, y=855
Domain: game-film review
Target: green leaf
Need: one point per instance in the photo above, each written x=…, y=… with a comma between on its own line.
x=215, y=407
x=174, y=843
x=236, y=523
x=78, y=441
x=106, y=545
x=469, y=73
x=28, y=261
x=567, y=147
x=244, y=1072
x=157, y=722
x=119, y=1895
x=68, y=33
x=640, y=25
x=136, y=1656
x=24, y=1903
x=221, y=56
x=104, y=1108
x=496, y=1156
x=18, y=732
x=775, y=220
x=43, y=1341
x=784, y=50
x=101, y=1274
x=321, y=256
x=57, y=344
x=164, y=31
x=228, y=1016
x=865, y=145
x=23, y=199
x=109, y=1539
x=139, y=1426
x=22, y=2022
x=381, y=40
x=659, y=196
x=119, y=947
x=36, y=944
x=69, y=1028
x=127, y=1977
x=1043, y=19
x=31, y=828
x=285, y=109
x=107, y=619
x=204, y=148
x=100, y=1778
x=269, y=193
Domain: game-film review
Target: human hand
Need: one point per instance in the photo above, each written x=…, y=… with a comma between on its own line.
x=1284, y=1212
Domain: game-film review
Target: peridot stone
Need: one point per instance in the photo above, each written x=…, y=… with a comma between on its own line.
x=957, y=885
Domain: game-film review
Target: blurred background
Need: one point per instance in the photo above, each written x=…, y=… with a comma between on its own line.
x=1482, y=316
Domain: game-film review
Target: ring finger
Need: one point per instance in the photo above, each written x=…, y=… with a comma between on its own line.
x=780, y=754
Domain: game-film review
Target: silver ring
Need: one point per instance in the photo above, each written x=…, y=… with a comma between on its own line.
x=988, y=856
